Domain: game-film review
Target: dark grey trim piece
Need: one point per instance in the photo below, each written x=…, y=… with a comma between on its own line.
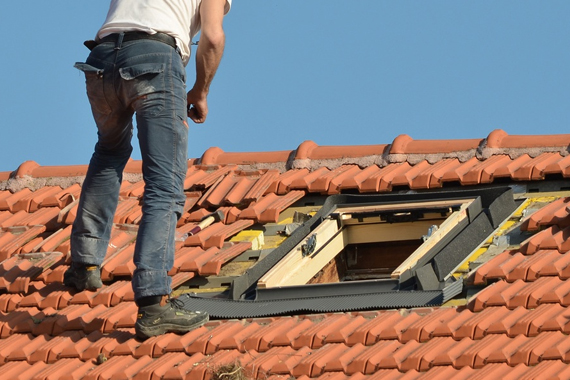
x=327, y=290
x=462, y=246
x=231, y=309
x=426, y=278
x=501, y=208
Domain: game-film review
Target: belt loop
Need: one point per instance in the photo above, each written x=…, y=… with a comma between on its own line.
x=119, y=42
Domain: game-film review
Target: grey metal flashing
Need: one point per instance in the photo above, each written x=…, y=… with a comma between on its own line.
x=453, y=288
x=327, y=290
x=230, y=309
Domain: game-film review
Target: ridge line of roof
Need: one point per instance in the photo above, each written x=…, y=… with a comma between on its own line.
x=311, y=156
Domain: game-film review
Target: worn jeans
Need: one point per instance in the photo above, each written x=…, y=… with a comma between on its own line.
x=146, y=78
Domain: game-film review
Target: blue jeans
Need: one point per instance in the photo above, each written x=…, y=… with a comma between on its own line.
x=146, y=78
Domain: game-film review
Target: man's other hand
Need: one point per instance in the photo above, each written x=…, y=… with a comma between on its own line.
x=197, y=106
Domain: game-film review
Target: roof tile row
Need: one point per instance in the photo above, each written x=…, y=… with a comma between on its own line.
x=113, y=308
x=115, y=348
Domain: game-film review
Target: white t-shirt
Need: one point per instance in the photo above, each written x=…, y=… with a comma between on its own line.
x=177, y=18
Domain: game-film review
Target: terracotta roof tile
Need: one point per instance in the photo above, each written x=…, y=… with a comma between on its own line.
x=263, y=365
x=532, y=350
x=343, y=361
x=211, y=363
x=330, y=182
x=514, y=266
x=422, y=329
x=281, y=332
x=547, y=369
x=483, y=171
x=208, y=178
x=12, y=201
x=61, y=198
x=285, y=180
x=119, y=263
x=18, y=240
x=314, y=365
x=33, y=169
x=561, y=166
x=268, y=208
x=290, y=360
x=399, y=358
x=216, y=234
x=408, y=178
x=381, y=181
x=237, y=340
x=531, y=268
x=556, y=212
x=8, y=345
x=185, y=368
x=9, y=223
x=125, y=208
x=9, y=302
x=490, y=349
x=41, y=195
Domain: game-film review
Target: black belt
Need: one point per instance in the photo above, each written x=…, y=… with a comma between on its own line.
x=133, y=36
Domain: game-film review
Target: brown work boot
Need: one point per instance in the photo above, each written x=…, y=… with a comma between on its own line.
x=168, y=315
x=83, y=277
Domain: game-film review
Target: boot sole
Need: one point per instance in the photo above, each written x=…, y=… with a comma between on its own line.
x=144, y=332
x=79, y=285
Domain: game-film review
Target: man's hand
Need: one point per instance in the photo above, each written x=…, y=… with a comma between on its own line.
x=208, y=57
x=197, y=106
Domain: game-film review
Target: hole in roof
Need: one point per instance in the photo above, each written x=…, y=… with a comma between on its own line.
x=361, y=252
x=370, y=241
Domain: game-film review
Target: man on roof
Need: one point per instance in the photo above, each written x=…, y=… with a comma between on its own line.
x=137, y=67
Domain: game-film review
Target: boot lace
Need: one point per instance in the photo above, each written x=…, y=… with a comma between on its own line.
x=176, y=303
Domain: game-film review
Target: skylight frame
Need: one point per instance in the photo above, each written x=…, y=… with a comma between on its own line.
x=342, y=228
x=497, y=203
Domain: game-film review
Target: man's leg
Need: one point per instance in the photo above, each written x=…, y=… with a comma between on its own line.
x=160, y=105
x=100, y=190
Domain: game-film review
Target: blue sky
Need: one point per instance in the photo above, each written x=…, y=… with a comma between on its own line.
x=335, y=72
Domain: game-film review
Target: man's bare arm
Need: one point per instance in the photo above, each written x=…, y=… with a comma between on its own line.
x=208, y=57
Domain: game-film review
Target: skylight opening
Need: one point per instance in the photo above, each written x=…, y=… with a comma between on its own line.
x=366, y=242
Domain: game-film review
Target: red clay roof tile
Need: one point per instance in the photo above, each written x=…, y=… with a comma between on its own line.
x=62, y=198
x=285, y=180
